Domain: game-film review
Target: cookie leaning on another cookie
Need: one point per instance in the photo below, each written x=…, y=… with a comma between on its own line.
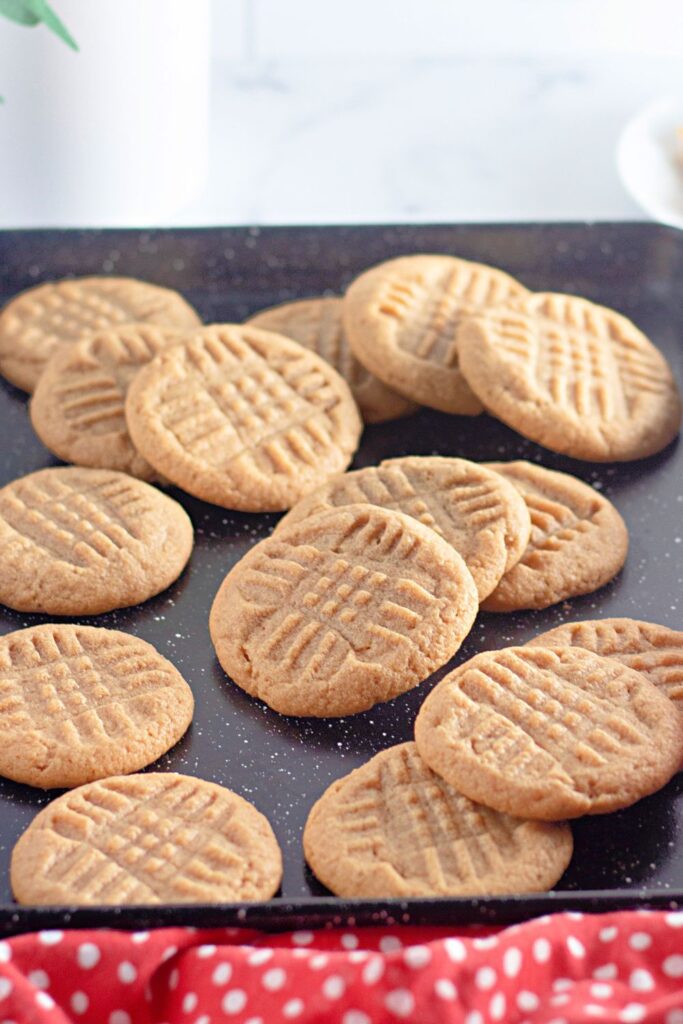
x=578, y=542
x=317, y=324
x=336, y=613
x=77, y=541
x=77, y=409
x=147, y=839
x=80, y=703
x=51, y=316
x=394, y=828
x=573, y=376
x=243, y=418
x=401, y=318
x=476, y=510
x=550, y=733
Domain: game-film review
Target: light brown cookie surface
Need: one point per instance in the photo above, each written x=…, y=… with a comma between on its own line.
x=151, y=838
x=81, y=703
x=476, y=510
x=243, y=418
x=394, y=828
x=402, y=317
x=578, y=540
x=317, y=324
x=77, y=409
x=77, y=541
x=43, y=319
x=550, y=733
x=573, y=376
x=647, y=647
x=341, y=611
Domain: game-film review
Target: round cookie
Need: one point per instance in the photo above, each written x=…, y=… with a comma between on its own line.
x=575, y=377
x=77, y=409
x=77, y=541
x=317, y=324
x=394, y=828
x=476, y=510
x=402, y=317
x=79, y=703
x=152, y=838
x=655, y=651
x=50, y=316
x=341, y=611
x=550, y=733
x=578, y=542
x=243, y=418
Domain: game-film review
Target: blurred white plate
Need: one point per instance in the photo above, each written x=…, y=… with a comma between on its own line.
x=647, y=159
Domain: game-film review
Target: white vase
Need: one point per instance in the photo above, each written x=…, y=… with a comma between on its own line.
x=116, y=134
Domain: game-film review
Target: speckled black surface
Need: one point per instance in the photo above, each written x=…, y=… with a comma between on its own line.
x=283, y=765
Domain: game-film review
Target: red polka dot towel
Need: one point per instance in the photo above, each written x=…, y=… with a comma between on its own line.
x=624, y=967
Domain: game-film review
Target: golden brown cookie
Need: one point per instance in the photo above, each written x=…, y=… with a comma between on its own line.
x=550, y=733
x=77, y=409
x=152, y=838
x=575, y=377
x=77, y=541
x=394, y=828
x=341, y=611
x=402, y=317
x=79, y=703
x=647, y=647
x=43, y=319
x=476, y=510
x=578, y=540
x=317, y=324
x=243, y=418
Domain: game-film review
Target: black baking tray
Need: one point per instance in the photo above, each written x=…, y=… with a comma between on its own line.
x=633, y=858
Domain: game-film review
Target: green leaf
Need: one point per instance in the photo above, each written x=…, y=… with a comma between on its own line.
x=19, y=11
x=42, y=11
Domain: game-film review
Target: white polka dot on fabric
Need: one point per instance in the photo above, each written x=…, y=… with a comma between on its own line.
x=640, y=940
x=294, y=1008
x=675, y=919
x=274, y=979
x=119, y=1017
x=607, y=934
x=485, y=978
x=302, y=938
x=168, y=953
x=221, y=974
x=632, y=1013
x=373, y=971
x=606, y=972
x=593, y=1010
x=558, y=1020
x=5, y=952
x=174, y=978
x=205, y=951
x=673, y=966
x=139, y=937
x=303, y=954
x=127, y=972
x=319, y=961
x=357, y=956
x=260, y=956
x=47, y=1002
x=39, y=979
x=233, y=1002
x=562, y=984
x=641, y=980
x=349, y=941
x=190, y=1001
x=88, y=955
x=400, y=1002
x=334, y=987
x=575, y=915
x=497, y=1006
x=251, y=1020
x=489, y=942
x=541, y=951
x=560, y=1000
x=389, y=944
x=355, y=1017
x=445, y=989
x=456, y=950
x=205, y=1019
x=576, y=947
x=6, y=987
x=674, y=1017
x=50, y=937
x=417, y=956
x=527, y=1001
x=601, y=991
x=474, y=1017
x=79, y=1002
x=512, y=962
